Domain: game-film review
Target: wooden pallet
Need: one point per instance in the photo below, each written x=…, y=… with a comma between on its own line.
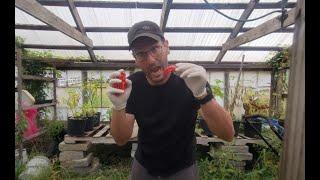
x=99, y=135
x=237, y=141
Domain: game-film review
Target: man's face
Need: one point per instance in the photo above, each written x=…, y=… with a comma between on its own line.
x=152, y=57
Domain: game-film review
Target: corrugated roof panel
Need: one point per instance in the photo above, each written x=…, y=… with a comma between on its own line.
x=66, y=53
x=115, y=54
x=273, y=39
x=103, y=17
x=250, y=56
x=201, y=18
x=182, y=55
x=62, y=12
x=109, y=39
x=45, y=37
x=259, y=12
x=196, y=39
x=23, y=18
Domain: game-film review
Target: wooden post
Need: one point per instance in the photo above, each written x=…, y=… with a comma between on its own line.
x=226, y=90
x=55, y=93
x=292, y=165
x=20, y=72
x=84, y=75
x=272, y=97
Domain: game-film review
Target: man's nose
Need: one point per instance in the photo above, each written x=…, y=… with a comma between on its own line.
x=149, y=57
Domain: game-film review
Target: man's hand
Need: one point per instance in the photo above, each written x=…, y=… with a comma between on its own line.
x=118, y=97
x=195, y=77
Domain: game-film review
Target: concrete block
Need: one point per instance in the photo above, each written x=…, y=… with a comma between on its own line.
x=84, y=162
x=81, y=146
x=70, y=155
x=236, y=149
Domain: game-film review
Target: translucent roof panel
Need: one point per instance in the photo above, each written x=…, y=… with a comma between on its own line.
x=108, y=39
x=196, y=39
x=106, y=17
x=115, y=54
x=250, y=56
x=273, y=39
x=182, y=55
x=201, y=18
x=45, y=37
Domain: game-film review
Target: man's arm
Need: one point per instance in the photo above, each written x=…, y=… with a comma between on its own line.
x=121, y=126
x=218, y=120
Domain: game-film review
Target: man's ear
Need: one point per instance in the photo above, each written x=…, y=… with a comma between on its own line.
x=166, y=45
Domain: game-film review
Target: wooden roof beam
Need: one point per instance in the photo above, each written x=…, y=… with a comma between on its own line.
x=35, y=9
x=158, y=5
x=259, y=31
x=80, y=26
x=167, y=29
x=244, y=16
x=164, y=14
x=199, y=48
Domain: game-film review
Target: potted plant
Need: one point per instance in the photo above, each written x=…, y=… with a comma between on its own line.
x=76, y=123
x=90, y=93
x=88, y=114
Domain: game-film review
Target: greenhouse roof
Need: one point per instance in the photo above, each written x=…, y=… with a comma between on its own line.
x=194, y=30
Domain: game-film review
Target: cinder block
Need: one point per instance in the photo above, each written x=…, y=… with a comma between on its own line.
x=236, y=149
x=84, y=162
x=70, y=155
x=81, y=146
x=95, y=165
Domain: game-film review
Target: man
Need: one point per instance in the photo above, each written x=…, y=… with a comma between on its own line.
x=165, y=108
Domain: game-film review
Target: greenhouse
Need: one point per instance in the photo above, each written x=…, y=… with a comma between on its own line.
x=249, y=56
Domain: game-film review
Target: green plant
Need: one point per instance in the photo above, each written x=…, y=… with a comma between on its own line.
x=72, y=101
x=54, y=128
x=216, y=88
x=19, y=168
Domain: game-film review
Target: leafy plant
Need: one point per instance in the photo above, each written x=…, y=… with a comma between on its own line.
x=216, y=88
x=72, y=101
x=54, y=128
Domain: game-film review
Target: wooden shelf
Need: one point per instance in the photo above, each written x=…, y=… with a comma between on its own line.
x=32, y=77
x=41, y=105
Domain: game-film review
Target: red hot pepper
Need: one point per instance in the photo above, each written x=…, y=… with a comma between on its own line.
x=122, y=85
x=169, y=69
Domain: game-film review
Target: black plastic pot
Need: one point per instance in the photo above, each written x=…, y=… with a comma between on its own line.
x=76, y=126
x=96, y=121
x=89, y=123
x=236, y=126
x=249, y=131
x=204, y=126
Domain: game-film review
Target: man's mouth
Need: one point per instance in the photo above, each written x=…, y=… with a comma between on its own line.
x=155, y=71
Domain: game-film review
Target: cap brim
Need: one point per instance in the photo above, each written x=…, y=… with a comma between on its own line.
x=153, y=36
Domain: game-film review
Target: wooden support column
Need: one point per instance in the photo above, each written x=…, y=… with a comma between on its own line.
x=80, y=26
x=244, y=16
x=226, y=90
x=292, y=165
x=55, y=93
x=259, y=31
x=84, y=78
x=164, y=14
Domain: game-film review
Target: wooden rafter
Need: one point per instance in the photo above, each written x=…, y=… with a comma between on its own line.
x=199, y=48
x=112, y=64
x=36, y=10
x=165, y=14
x=80, y=26
x=259, y=31
x=167, y=29
x=244, y=16
x=158, y=5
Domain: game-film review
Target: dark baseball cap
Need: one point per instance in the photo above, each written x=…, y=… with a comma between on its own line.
x=144, y=28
